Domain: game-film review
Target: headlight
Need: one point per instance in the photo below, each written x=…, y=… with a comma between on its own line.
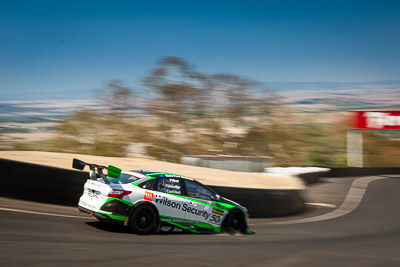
x=245, y=210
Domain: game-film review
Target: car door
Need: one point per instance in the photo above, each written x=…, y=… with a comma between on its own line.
x=168, y=201
x=199, y=207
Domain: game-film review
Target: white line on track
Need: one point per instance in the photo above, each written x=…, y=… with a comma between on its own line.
x=322, y=205
x=353, y=199
x=351, y=202
x=44, y=213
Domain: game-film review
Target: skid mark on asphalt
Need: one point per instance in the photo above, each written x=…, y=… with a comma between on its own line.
x=45, y=213
x=351, y=202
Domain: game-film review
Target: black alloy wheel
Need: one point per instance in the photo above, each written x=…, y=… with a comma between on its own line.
x=143, y=220
x=235, y=222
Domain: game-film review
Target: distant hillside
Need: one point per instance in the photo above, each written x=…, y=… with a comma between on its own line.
x=340, y=96
x=393, y=85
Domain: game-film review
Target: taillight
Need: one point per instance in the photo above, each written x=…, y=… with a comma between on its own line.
x=118, y=193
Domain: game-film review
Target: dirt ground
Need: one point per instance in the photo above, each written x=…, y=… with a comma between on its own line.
x=204, y=175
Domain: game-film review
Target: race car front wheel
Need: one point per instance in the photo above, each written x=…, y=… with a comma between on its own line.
x=235, y=222
x=143, y=220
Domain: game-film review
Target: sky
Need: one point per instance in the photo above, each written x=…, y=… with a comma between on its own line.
x=65, y=49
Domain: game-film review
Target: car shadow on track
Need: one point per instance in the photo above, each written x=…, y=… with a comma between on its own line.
x=112, y=228
x=108, y=227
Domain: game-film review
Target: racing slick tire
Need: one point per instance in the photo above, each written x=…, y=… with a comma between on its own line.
x=143, y=220
x=235, y=222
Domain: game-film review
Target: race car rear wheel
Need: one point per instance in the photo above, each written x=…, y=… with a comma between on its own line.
x=235, y=222
x=143, y=220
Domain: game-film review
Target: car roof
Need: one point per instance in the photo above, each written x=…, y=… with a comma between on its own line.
x=143, y=171
x=162, y=174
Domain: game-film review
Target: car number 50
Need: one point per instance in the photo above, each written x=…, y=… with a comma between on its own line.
x=215, y=219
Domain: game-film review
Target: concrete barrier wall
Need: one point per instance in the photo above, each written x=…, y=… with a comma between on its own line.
x=229, y=163
x=313, y=177
x=366, y=171
x=263, y=203
x=41, y=183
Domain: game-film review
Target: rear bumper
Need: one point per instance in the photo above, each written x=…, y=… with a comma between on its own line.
x=85, y=210
x=100, y=217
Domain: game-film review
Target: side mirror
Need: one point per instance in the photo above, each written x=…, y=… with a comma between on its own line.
x=216, y=197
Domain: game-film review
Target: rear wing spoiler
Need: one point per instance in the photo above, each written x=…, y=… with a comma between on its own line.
x=97, y=170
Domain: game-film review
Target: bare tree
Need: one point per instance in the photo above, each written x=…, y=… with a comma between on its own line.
x=117, y=97
x=232, y=94
x=180, y=90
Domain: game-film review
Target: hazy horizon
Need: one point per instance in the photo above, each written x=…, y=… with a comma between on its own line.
x=279, y=87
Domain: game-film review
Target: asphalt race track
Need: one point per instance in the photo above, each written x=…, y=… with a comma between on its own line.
x=367, y=236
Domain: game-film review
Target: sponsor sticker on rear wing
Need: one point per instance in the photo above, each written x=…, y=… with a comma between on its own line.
x=113, y=172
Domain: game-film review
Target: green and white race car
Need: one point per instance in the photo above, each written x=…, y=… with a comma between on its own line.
x=159, y=202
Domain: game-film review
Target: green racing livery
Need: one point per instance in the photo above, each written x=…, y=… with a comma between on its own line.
x=158, y=202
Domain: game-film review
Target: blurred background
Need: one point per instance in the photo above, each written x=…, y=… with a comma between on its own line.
x=167, y=79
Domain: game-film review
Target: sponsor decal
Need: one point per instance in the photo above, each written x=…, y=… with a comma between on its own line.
x=173, y=186
x=219, y=212
x=93, y=193
x=382, y=119
x=173, y=176
x=176, y=229
x=215, y=219
x=182, y=221
x=165, y=228
x=176, y=176
x=169, y=203
x=113, y=171
x=184, y=207
x=148, y=196
x=195, y=211
x=169, y=191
